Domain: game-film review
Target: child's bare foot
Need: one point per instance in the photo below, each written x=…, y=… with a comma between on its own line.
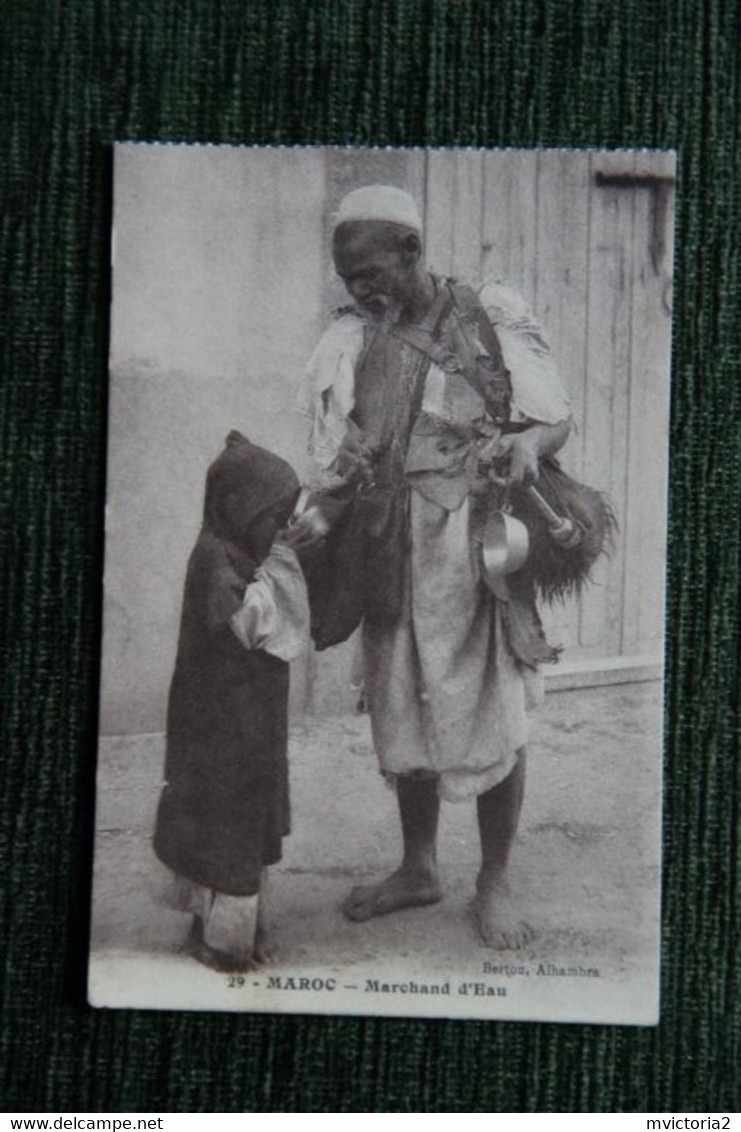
x=261, y=952
x=196, y=946
x=499, y=921
x=406, y=888
x=220, y=961
x=262, y=957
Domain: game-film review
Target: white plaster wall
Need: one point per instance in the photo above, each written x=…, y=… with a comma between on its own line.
x=217, y=279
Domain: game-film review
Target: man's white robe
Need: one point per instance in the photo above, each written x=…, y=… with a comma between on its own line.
x=444, y=691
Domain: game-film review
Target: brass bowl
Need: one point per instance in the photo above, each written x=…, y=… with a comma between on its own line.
x=504, y=546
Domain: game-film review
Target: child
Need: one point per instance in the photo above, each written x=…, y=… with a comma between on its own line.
x=224, y=804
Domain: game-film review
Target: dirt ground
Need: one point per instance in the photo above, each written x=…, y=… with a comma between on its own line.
x=585, y=866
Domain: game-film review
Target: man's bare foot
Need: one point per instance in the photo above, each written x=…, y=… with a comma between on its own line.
x=406, y=888
x=499, y=920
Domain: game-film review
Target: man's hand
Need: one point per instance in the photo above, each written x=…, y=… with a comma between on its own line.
x=513, y=457
x=524, y=449
x=355, y=457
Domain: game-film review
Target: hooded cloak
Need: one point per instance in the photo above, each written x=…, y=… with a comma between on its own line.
x=224, y=803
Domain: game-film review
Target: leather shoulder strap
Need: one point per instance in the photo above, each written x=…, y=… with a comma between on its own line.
x=470, y=307
x=495, y=386
x=436, y=317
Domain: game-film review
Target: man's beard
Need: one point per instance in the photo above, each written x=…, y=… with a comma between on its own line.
x=383, y=308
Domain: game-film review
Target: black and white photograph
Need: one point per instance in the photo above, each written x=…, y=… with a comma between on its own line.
x=385, y=548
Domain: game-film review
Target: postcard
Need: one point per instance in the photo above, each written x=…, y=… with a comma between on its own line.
x=381, y=692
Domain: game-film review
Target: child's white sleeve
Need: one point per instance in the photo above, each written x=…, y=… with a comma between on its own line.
x=274, y=615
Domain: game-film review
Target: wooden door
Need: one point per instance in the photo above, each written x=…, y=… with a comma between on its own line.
x=587, y=239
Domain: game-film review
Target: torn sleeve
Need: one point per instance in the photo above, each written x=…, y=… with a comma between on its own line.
x=538, y=391
x=328, y=394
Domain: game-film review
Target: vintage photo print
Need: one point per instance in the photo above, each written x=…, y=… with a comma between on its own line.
x=381, y=706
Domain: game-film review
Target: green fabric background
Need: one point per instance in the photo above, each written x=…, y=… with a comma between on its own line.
x=75, y=74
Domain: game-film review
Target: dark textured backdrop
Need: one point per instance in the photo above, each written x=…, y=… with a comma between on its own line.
x=76, y=74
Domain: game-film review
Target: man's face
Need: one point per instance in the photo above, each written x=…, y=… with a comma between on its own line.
x=377, y=274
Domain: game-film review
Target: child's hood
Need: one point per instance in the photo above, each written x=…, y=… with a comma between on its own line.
x=259, y=477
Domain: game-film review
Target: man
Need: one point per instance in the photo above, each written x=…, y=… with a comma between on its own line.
x=415, y=389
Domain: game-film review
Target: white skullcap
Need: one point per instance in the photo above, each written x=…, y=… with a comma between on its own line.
x=379, y=202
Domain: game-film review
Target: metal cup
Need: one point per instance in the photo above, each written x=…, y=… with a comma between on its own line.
x=504, y=546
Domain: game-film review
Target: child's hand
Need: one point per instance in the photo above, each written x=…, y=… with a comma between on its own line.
x=306, y=533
